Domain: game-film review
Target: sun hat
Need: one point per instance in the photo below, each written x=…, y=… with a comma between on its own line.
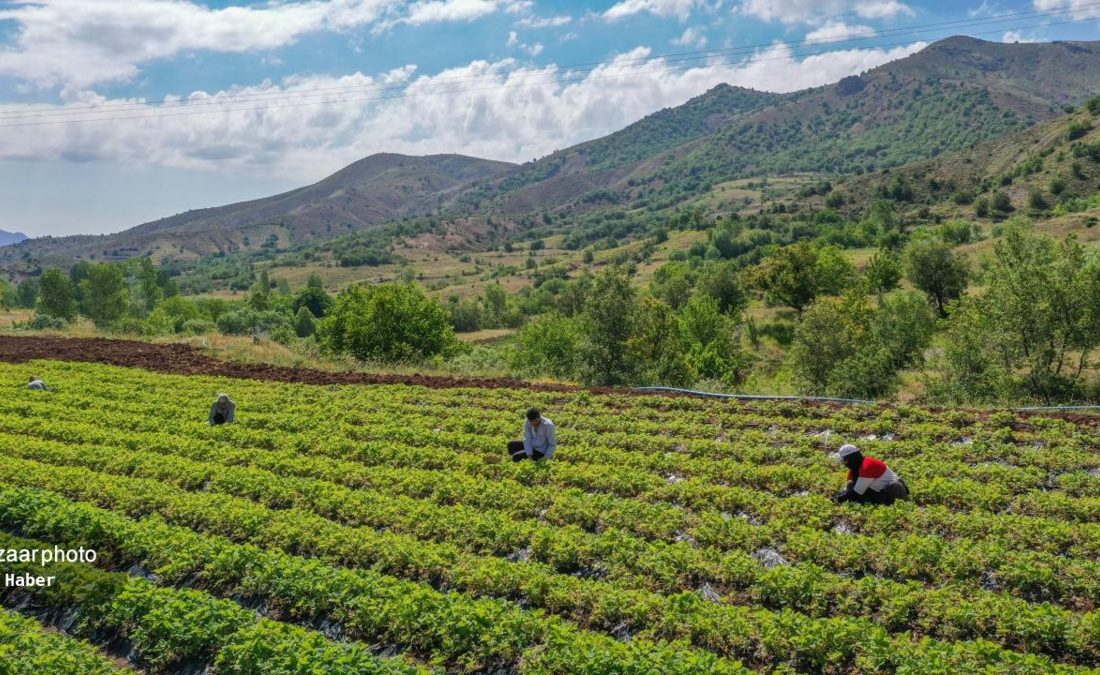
x=845, y=450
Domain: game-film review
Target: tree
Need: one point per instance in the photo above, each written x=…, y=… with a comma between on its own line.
x=672, y=283
x=495, y=301
x=795, y=275
x=722, y=282
x=390, y=322
x=27, y=292
x=607, y=324
x=656, y=346
x=547, y=346
x=313, y=297
x=932, y=266
x=150, y=284
x=58, y=295
x=828, y=332
x=713, y=347
x=1033, y=331
x=304, y=322
x=106, y=296
x=883, y=272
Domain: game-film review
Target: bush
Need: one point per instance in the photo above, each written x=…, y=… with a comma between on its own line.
x=304, y=322
x=47, y=322
x=198, y=327
x=1001, y=202
x=1036, y=200
x=547, y=346
x=1077, y=130
x=391, y=322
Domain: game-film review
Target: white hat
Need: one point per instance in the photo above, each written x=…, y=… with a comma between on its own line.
x=845, y=450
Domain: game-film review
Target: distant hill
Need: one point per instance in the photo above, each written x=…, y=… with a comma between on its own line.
x=372, y=191
x=954, y=94
x=8, y=238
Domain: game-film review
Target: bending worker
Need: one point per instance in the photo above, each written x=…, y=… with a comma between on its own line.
x=870, y=481
x=223, y=411
x=539, y=439
x=37, y=384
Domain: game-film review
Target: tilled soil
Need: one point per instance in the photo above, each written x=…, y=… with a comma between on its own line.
x=187, y=360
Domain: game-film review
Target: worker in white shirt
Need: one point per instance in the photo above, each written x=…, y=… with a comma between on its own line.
x=539, y=439
x=37, y=384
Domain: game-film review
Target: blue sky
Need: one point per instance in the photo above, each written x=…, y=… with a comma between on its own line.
x=113, y=113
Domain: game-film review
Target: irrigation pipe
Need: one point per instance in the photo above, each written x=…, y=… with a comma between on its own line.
x=757, y=397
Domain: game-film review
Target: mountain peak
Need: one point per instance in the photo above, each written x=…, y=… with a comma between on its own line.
x=8, y=238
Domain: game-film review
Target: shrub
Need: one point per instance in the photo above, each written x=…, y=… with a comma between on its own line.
x=390, y=322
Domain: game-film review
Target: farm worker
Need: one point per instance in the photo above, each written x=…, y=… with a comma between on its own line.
x=37, y=384
x=223, y=410
x=539, y=439
x=870, y=481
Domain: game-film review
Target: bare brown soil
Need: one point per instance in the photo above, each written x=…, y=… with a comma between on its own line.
x=187, y=360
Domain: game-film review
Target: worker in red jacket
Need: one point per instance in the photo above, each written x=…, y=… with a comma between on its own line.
x=870, y=481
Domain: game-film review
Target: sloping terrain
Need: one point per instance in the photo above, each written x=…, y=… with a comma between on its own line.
x=1051, y=169
x=952, y=95
x=369, y=192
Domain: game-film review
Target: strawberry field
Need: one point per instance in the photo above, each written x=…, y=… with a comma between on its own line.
x=376, y=529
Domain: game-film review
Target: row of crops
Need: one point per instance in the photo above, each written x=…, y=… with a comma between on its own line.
x=375, y=529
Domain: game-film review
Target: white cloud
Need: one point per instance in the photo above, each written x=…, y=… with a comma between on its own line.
x=1081, y=9
x=692, y=37
x=985, y=9
x=305, y=127
x=79, y=43
x=1017, y=36
x=808, y=11
x=681, y=9
x=438, y=11
x=514, y=42
x=882, y=9
x=545, y=22
x=838, y=30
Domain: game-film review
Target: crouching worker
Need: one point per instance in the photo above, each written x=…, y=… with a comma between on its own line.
x=37, y=385
x=870, y=481
x=539, y=439
x=223, y=411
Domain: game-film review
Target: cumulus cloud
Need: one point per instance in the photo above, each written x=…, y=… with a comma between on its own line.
x=1081, y=9
x=681, y=9
x=838, y=30
x=79, y=43
x=1017, y=36
x=692, y=37
x=437, y=11
x=545, y=21
x=515, y=43
x=808, y=11
x=305, y=127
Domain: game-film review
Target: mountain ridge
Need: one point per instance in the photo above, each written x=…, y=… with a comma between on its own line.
x=953, y=94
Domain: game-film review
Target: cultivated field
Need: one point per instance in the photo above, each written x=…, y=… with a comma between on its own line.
x=363, y=528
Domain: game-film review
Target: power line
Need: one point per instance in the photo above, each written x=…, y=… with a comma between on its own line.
x=570, y=76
